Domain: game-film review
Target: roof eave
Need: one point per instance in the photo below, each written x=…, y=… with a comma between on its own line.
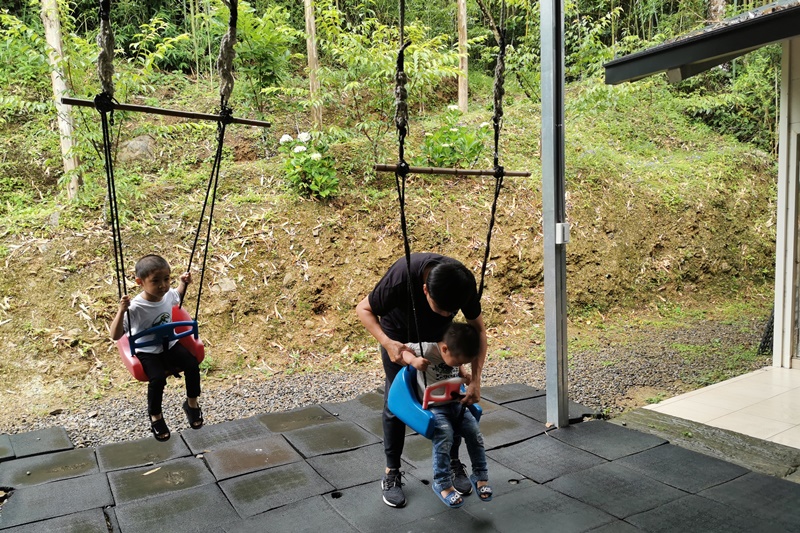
x=698, y=53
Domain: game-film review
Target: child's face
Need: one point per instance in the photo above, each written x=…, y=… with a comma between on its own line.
x=156, y=285
x=450, y=358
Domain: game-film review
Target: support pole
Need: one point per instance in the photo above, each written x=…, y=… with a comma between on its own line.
x=556, y=230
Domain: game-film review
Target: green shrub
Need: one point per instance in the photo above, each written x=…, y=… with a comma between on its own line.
x=309, y=169
x=454, y=144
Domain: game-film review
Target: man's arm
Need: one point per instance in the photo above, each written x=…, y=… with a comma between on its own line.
x=370, y=320
x=474, y=388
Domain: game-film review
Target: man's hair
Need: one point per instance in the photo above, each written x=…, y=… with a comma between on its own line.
x=451, y=285
x=149, y=264
x=463, y=340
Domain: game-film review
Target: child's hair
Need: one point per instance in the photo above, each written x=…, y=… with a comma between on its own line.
x=462, y=339
x=451, y=285
x=149, y=264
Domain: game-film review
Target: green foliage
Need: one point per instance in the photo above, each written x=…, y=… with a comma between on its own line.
x=33, y=73
x=740, y=98
x=360, y=61
x=454, y=144
x=308, y=168
x=263, y=50
x=585, y=42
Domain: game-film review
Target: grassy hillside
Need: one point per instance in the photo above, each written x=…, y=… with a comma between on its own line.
x=670, y=223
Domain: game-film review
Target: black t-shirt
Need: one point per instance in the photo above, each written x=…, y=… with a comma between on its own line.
x=389, y=300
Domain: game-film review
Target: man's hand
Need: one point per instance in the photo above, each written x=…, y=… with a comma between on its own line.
x=473, y=393
x=395, y=350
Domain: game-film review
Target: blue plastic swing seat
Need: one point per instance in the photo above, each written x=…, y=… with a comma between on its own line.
x=404, y=402
x=182, y=328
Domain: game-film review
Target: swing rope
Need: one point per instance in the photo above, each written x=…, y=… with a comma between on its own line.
x=497, y=122
x=401, y=172
x=225, y=67
x=105, y=102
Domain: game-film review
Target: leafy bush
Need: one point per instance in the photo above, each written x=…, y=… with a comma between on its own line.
x=454, y=145
x=309, y=169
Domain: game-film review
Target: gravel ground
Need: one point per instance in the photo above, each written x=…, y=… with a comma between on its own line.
x=619, y=371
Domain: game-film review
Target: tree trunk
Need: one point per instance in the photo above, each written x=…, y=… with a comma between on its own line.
x=463, y=57
x=52, y=31
x=313, y=63
x=716, y=10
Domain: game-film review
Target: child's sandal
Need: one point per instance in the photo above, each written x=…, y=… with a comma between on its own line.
x=484, y=492
x=194, y=415
x=160, y=429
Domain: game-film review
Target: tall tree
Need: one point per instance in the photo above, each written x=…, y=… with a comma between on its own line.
x=52, y=31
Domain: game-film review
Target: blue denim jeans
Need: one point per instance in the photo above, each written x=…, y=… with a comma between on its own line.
x=449, y=422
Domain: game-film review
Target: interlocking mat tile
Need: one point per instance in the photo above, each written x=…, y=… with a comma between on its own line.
x=261, y=491
x=142, y=452
x=59, y=498
x=607, y=440
x=682, y=468
x=91, y=521
x=537, y=508
x=311, y=515
x=37, y=469
x=766, y=497
x=616, y=489
x=40, y=441
x=695, y=513
x=250, y=456
x=200, y=509
x=209, y=437
x=296, y=419
x=544, y=458
x=329, y=438
x=150, y=481
x=511, y=392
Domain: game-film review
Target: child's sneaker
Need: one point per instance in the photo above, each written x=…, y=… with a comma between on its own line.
x=392, y=487
x=461, y=481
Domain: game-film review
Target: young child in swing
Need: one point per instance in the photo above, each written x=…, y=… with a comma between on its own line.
x=150, y=308
x=440, y=361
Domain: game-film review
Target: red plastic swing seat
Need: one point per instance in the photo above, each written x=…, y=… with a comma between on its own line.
x=183, y=329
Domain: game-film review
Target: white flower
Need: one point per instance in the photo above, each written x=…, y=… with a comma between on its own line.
x=304, y=136
x=452, y=107
x=454, y=130
x=316, y=156
x=299, y=148
x=286, y=139
x=485, y=125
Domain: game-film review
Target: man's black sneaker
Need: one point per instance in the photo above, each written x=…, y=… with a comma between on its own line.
x=461, y=481
x=392, y=487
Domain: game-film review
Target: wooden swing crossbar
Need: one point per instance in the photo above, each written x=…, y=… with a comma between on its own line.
x=166, y=112
x=450, y=171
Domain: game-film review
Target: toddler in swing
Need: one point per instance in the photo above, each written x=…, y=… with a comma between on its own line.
x=441, y=361
x=150, y=308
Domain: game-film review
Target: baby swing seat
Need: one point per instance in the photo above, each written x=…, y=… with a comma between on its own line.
x=182, y=328
x=405, y=404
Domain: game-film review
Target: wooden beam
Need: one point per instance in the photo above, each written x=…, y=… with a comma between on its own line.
x=450, y=171
x=167, y=112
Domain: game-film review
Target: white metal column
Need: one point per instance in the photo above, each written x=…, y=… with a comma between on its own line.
x=555, y=227
x=786, y=266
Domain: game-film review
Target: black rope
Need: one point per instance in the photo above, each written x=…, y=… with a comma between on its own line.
x=497, y=121
x=211, y=191
x=104, y=105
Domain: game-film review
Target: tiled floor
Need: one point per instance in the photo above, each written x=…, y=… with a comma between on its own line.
x=764, y=404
